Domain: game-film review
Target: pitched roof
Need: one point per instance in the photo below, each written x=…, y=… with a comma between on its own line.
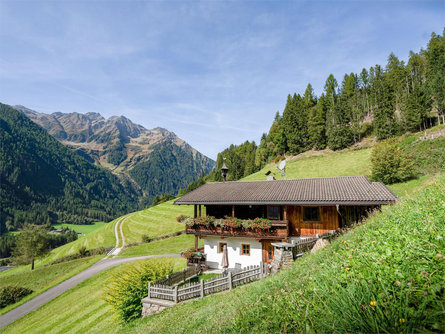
x=345, y=190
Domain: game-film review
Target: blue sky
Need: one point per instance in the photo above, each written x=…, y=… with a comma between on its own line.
x=213, y=72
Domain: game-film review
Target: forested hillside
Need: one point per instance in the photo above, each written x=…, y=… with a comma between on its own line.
x=382, y=102
x=42, y=181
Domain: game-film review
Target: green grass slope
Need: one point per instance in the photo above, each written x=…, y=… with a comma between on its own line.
x=42, y=278
x=173, y=245
x=155, y=221
x=101, y=237
x=342, y=163
x=79, y=310
x=386, y=275
x=84, y=229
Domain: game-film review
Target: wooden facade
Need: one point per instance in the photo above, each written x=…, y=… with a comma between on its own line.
x=323, y=218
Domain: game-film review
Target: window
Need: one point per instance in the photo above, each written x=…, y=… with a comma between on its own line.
x=221, y=246
x=270, y=252
x=273, y=212
x=311, y=213
x=245, y=249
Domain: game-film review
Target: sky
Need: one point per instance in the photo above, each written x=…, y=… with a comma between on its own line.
x=213, y=72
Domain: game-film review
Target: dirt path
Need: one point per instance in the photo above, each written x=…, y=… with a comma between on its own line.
x=119, y=235
x=54, y=292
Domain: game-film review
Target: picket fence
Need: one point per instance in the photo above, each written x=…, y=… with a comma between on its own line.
x=203, y=288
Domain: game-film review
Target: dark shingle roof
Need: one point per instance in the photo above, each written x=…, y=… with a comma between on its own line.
x=346, y=190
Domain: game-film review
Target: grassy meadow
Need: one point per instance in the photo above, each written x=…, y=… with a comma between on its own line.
x=385, y=275
x=342, y=163
x=84, y=229
x=155, y=221
x=78, y=310
x=43, y=277
x=173, y=245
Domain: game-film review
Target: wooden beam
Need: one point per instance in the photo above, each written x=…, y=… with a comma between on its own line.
x=194, y=211
x=199, y=210
x=285, y=212
x=233, y=210
x=196, y=242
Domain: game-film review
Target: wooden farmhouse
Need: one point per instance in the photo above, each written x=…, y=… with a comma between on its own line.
x=249, y=218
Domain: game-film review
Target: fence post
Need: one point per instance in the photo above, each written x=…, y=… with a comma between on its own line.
x=202, y=288
x=149, y=284
x=230, y=280
x=261, y=270
x=175, y=296
x=183, y=275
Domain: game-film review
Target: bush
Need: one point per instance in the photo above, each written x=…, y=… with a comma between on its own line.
x=390, y=164
x=12, y=294
x=126, y=288
x=146, y=238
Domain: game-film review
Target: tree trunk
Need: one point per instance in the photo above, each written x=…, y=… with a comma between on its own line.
x=32, y=265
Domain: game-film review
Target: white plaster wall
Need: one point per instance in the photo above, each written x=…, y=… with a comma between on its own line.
x=233, y=250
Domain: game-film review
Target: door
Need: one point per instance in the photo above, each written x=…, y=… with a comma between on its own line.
x=267, y=251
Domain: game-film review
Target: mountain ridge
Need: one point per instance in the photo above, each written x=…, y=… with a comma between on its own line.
x=127, y=149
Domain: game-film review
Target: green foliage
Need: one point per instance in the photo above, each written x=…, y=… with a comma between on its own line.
x=117, y=154
x=181, y=218
x=7, y=243
x=125, y=290
x=44, y=182
x=32, y=242
x=12, y=294
x=162, y=198
x=169, y=169
x=382, y=101
x=390, y=164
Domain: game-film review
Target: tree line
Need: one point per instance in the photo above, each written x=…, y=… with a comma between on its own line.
x=382, y=101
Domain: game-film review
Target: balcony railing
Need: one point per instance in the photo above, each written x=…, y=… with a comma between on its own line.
x=279, y=230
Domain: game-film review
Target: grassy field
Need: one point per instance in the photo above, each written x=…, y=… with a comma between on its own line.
x=84, y=229
x=79, y=310
x=173, y=245
x=386, y=275
x=155, y=221
x=101, y=237
x=343, y=163
x=43, y=277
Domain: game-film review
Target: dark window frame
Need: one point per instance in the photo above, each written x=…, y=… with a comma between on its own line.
x=277, y=217
x=221, y=249
x=311, y=218
x=247, y=248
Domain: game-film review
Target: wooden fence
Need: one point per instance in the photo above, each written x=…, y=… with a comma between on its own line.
x=180, y=276
x=304, y=245
x=203, y=288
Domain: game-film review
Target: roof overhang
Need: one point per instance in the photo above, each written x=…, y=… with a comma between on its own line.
x=319, y=203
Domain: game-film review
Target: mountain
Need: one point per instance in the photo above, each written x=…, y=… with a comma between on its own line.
x=43, y=181
x=156, y=160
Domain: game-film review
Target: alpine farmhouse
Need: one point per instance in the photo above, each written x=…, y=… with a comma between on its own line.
x=250, y=219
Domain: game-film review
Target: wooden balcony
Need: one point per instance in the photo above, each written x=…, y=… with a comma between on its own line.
x=278, y=231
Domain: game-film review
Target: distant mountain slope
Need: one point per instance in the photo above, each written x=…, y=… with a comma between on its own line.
x=157, y=160
x=42, y=181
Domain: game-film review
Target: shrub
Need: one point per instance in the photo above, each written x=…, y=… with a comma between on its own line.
x=126, y=288
x=390, y=164
x=146, y=238
x=12, y=294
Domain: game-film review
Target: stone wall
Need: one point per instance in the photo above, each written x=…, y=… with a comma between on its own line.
x=283, y=258
x=149, y=308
